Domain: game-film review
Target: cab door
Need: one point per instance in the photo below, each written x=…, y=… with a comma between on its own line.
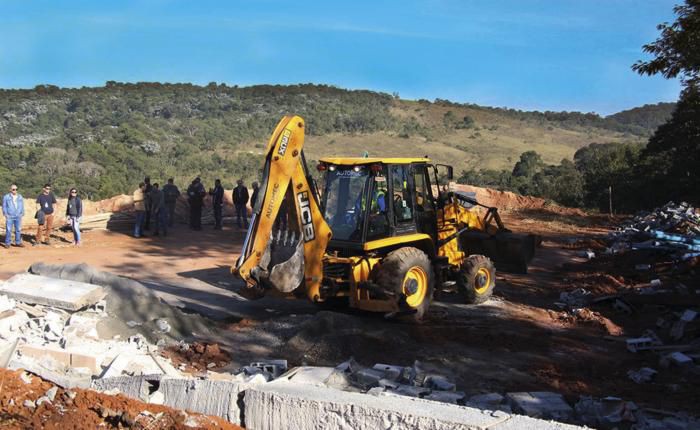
x=426, y=214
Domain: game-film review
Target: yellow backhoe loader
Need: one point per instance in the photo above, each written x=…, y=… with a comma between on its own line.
x=380, y=233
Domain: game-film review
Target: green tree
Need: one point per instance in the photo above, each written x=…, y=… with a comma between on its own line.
x=530, y=163
x=669, y=166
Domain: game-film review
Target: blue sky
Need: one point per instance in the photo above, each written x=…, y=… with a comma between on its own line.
x=539, y=54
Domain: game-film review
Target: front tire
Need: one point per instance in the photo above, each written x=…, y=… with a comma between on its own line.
x=476, y=279
x=408, y=274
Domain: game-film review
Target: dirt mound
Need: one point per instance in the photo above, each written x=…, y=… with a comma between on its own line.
x=197, y=357
x=132, y=308
x=85, y=409
x=509, y=201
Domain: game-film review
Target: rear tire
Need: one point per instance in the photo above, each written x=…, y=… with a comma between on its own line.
x=408, y=274
x=476, y=279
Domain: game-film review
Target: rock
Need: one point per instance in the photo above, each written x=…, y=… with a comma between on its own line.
x=163, y=325
x=29, y=404
x=43, y=399
x=51, y=393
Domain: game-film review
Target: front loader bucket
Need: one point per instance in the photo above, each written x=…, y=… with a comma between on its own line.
x=510, y=252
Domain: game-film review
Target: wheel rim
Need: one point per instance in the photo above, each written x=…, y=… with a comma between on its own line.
x=415, y=286
x=482, y=280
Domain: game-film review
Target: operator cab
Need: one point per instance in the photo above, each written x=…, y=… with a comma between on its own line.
x=369, y=199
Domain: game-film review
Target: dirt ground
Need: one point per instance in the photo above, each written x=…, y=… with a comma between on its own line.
x=83, y=409
x=519, y=341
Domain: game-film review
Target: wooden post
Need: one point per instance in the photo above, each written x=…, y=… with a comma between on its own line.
x=610, y=200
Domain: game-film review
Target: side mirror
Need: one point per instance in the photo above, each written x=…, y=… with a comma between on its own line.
x=445, y=171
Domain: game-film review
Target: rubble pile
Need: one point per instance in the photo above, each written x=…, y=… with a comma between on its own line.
x=672, y=228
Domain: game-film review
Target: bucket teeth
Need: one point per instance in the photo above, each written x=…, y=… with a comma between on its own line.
x=279, y=234
x=286, y=235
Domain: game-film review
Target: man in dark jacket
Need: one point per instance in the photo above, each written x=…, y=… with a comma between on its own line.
x=254, y=196
x=218, y=203
x=240, y=200
x=171, y=194
x=158, y=210
x=195, y=197
x=147, y=201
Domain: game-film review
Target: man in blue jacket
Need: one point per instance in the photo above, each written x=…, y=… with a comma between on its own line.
x=13, y=210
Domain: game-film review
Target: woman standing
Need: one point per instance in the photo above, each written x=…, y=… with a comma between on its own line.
x=74, y=211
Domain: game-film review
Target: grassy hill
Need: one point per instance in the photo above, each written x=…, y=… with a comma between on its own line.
x=105, y=139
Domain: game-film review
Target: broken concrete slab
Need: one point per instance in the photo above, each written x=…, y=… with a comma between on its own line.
x=284, y=405
x=7, y=350
x=136, y=387
x=540, y=404
x=131, y=364
x=68, y=358
x=59, y=293
x=309, y=375
x=219, y=398
x=11, y=320
x=60, y=378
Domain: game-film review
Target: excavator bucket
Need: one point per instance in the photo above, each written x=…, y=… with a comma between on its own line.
x=282, y=263
x=510, y=252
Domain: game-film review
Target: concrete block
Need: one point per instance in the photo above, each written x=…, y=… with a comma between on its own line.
x=59, y=293
x=680, y=359
x=390, y=371
x=368, y=377
x=439, y=382
x=280, y=404
x=540, y=404
x=491, y=399
x=639, y=344
x=446, y=396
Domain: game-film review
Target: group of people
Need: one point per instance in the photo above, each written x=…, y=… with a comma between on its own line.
x=13, y=208
x=153, y=203
x=158, y=205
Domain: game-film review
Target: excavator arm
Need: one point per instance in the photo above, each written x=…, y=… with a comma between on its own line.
x=287, y=236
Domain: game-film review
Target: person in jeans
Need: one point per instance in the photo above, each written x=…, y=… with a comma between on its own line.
x=218, y=203
x=171, y=194
x=74, y=211
x=46, y=202
x=13, y=210
x=139, y=209
x=240, y=200
x=158, y=212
